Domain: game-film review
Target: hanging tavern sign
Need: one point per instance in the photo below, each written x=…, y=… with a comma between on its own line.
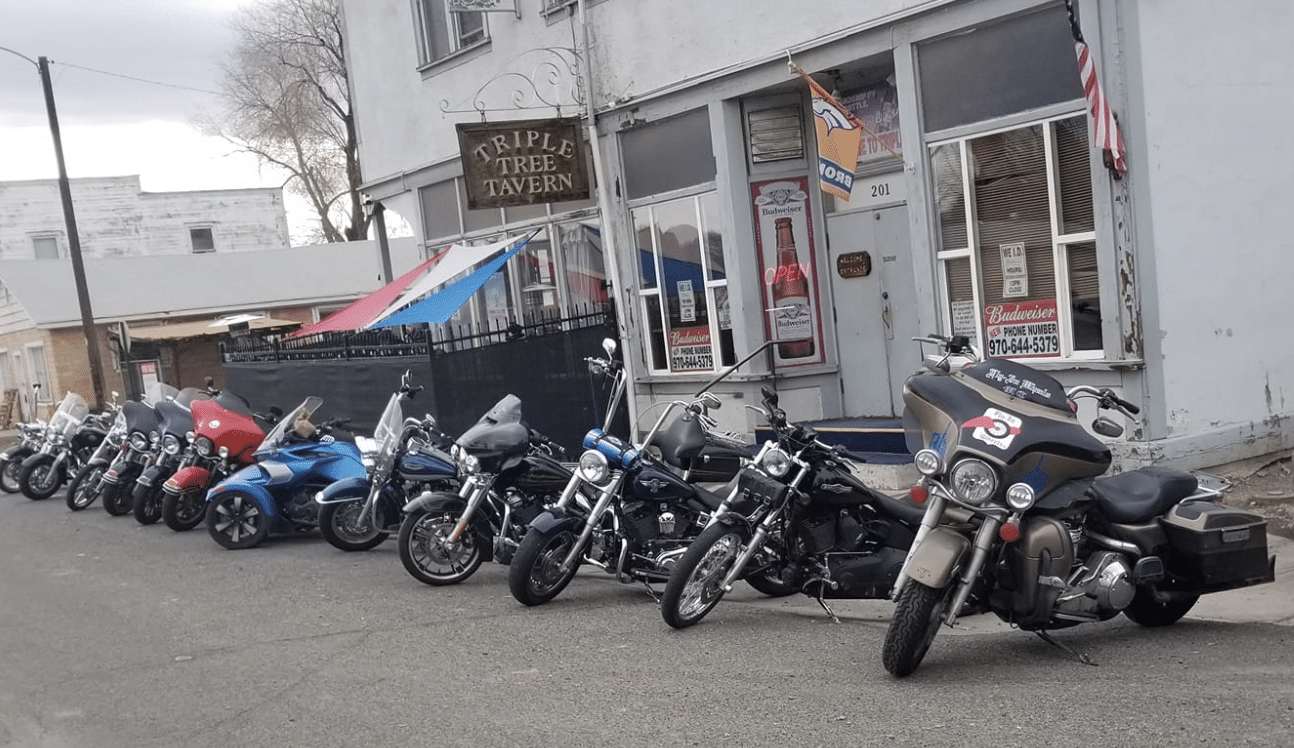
x=523, y=162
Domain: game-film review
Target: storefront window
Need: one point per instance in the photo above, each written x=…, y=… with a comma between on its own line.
x=1017, y=241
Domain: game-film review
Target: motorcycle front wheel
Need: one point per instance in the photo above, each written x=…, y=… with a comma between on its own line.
x=693, y=588
x=146, y=503
x=918, y=613
x=38, y=479
x=185, y=510
x=535, y=575
x=10, y=471
x=340, y=525
x=85, y=487
x=235, y=521
x=430, y=557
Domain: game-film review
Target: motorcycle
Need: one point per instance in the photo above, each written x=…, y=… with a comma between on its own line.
x=624, y=510
x=509, y=474
x=170, y=452
x=142, y=420
x=296, y=460
x=71, y=436
x=30, y=436
x=800, y=517
x=85, y=485
x=1018, y=523
x=360, y=513
x=225, y=434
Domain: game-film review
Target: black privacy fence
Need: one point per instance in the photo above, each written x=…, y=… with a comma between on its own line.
x=463, y=371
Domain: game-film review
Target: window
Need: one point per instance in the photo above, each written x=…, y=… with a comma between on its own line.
x=442, y=33
x=46, y=246
x=38, y=371
x=202, y=238
x=1017, y=242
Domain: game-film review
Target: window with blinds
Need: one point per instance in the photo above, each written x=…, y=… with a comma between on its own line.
x=1017, y=242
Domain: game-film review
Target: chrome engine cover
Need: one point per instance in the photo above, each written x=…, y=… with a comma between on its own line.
x=1099, y=589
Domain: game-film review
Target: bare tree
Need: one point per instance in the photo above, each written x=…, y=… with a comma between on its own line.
x=288, y=101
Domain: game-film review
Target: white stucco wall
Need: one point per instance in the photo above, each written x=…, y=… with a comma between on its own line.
x=1217, y=178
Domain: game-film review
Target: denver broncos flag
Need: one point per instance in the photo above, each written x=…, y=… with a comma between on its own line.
x=840, y=135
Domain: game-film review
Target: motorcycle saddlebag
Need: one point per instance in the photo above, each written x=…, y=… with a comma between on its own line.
x=1216, y=547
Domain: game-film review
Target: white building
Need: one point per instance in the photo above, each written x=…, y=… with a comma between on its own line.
x=114, y=217
x=982, y=201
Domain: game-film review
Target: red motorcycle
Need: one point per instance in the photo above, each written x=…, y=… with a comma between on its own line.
x=225, y=436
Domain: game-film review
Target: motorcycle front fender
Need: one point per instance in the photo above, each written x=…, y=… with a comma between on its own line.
x=256, y=491
x=149, y=476
x=188, y=478
x=344, y=490
x=15, y=453
x=937, y=558
x=556, y=518
x=432, y=500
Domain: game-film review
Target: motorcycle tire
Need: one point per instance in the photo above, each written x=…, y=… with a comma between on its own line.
x=116, y=499
x=535, y=576
x=235, y=520
x=10, y=471
x=339, y=525
x=1145, y=611
x=428, y=558
x=918, y=614
x=38, y=480
x=693, y=588
x=146, y=504
x=185, y=510
x=86, y=486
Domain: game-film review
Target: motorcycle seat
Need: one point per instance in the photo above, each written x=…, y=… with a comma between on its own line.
x=711, y=499
x=1140, y=495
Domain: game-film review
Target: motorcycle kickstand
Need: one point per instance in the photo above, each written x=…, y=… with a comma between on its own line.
x=1081, y=657
x=823, y=603
x=655, y=597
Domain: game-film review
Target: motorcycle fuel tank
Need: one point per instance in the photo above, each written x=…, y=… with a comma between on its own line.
x=540, y=474
x=658, y=484
x=424, y=465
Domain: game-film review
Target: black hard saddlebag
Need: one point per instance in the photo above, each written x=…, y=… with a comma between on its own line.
x=1217, y=547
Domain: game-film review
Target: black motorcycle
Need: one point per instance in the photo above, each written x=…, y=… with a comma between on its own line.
x=71, y=436
x=625, y=510
x=801, y=517
x=117, y=486
x=30, y=437
x=169, y=452
x=509, y=473
x=1017, y=522
x=87, y=484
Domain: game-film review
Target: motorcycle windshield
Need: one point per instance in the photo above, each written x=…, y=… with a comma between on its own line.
x=71, y=411
x=140, y=416
x=234, y=403
x=187, y=395
x=176, y=417
x=159, y=391
x=500, y=429
x=389, y=426
x=278, y=434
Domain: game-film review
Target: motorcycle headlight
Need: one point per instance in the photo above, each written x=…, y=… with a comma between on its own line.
x=154, y=438
x=594, y=467
x=468, y=464
x=170, y=444
x=928, y=462
x=137, y=441
x=50, y=433
x=974, y=481
x=204, y=447
x=1020, y=497
x=776, y=463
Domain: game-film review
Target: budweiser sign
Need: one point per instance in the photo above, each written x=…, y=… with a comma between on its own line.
x=690, y=336
x=1022, y=311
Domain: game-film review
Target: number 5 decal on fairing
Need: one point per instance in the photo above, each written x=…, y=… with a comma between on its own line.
x=995, y=428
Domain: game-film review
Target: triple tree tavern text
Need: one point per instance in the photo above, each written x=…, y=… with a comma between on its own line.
x=541, y=169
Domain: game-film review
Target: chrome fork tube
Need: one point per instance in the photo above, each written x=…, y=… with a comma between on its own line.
x=595, y=516
x=747, y=553
x=474, y=501
x=984, y=538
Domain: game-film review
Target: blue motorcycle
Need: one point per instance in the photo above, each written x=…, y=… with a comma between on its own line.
x=276, y=494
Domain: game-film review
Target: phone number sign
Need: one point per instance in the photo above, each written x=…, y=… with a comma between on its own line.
x=1022, y=328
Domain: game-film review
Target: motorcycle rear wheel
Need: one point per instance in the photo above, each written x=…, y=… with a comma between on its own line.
x=85, y=487
x=428, y=556
x=38, y=480
x=535, y=575
x=693, y=588
x=10, y=471
x=146, y=503
x=1145, y=611
x=185, y=510
x=339, y=525
x=918, y=613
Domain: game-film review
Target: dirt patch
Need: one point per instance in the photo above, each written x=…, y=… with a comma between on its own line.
x=1268, y=489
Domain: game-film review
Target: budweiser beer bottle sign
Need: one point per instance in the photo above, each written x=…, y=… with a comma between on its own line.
x=791, y=317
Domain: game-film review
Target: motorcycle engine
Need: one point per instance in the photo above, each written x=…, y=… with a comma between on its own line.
x=302, y=508
x=1098, y=589
x=646, y=521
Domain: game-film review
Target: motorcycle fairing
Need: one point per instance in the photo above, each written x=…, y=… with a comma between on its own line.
x=537, y=474
x=499, y=435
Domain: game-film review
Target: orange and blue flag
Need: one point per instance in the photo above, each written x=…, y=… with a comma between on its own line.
x=840, y=136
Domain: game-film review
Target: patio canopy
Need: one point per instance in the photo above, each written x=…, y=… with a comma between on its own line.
x=441, y=305
x=205, y=329
x=359, y=313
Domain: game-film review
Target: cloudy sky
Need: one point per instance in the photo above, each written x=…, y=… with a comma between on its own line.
x=112, y=125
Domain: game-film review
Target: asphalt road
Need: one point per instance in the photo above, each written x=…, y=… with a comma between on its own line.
x=114, y=635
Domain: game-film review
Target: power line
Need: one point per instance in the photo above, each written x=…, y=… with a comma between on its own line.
x=133, y=78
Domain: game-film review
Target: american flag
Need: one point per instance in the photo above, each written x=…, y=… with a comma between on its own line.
x=1106, y=128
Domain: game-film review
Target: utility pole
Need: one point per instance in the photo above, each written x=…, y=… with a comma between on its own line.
x=73, y=239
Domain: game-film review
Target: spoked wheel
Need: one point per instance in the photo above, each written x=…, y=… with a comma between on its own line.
x=918, y=613
x=184, y=510
x=9, y=473
x=85, y=487
x=693, y=589
x=430, y=556
x=147, y=504
x=341, y=526
x=1148, y=612
x=38, y=479
x=536, y=575
x=236, y=521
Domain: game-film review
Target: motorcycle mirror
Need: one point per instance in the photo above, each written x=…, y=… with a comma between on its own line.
x=711, y=401
x=769, y=395
x=404, y=379
x=609, y=346
x=1107, y=427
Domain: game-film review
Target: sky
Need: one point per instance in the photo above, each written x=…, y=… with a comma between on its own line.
x=112, y=125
